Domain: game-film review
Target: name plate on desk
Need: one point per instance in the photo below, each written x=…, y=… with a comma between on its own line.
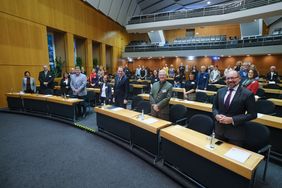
x=114, y=108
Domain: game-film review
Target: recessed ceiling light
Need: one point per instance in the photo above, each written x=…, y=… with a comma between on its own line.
x=229, y=56
x=268, y=54
x=248, y=55
x=208, y=2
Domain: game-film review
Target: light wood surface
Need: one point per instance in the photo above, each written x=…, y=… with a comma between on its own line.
x=192, y=104
x=139, y=86
x=264, y=84
x=210, y=93
x=272, y=91
x=132, y=118
x=139, y=80
x=277, y=102
x=55, y=99
x=197, y=143
x=176, y=89
x=95, y=90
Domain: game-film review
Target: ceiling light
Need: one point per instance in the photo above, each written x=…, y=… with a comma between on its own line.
x=268, y=54
x=208, y=2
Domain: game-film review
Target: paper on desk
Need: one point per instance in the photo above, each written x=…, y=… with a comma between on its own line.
x=238, y=154
x=48, y=95
x=190, y=102
x=117, y=109
x=259, y=115
x=150, y=120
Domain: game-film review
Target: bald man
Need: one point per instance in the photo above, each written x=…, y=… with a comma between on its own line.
x=46, y=80
x=159, y=97
x=233, y=105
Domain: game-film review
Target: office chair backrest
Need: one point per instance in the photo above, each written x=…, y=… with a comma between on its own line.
x=144, y=105
x=212, y=88
x=201, y=97
x=257, y=136
x=135, y=101
x=201, y=123
x=177, y=112
x=265, y=106
x=260, y=92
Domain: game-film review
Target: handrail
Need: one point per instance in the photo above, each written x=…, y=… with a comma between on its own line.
x=233, y=6
x=225, y=44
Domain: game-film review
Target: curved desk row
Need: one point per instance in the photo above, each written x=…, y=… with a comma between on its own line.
x=274, y=123
x=46, y=104
x=179, y=147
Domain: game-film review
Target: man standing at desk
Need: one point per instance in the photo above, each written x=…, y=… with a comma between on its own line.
x=78, y=86
x=159, y=97
x=46, y=81
x=121, y=88
x=229, y=109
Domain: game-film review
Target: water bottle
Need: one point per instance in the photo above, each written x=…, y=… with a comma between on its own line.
x=142, y=115
x=212, y=140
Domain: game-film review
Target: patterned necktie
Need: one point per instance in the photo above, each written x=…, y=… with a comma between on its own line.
x=227, y=100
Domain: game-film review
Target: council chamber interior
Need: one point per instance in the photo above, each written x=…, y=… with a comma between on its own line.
x=133, y=93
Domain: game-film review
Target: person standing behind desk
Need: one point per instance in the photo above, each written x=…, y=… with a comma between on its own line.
x=229, y=109
x=28, y=84
x=160, y=95
x=78, y=86
x=121, y=88
x=65, y=84
x=105, y=90
x=190, y=88
x=203, y=79
x=46, y=81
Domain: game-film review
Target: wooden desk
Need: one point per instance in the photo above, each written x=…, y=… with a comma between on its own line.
x=218, y=85
x=46, y=104
x=95, y=90
x=277, y=102
x=264, y=84
x=209, y=93
x=272, y=91
x=188, y=151
x=126, y=125
x=140, y=81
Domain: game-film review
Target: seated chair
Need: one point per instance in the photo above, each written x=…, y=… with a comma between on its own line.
x=201, y=123
x=178, y=114
x=257, y=140
x=202, y=97
x=265, y=107
x=135, y=101
x=144, y=105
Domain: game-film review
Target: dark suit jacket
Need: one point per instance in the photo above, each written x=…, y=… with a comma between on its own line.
x=48, y=78
x=243, y=101
x=121, y=90
x=65, y=88
x=108, y=90
x=275, y=77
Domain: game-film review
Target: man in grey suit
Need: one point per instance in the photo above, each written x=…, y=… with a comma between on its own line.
x=159, y=97
x=233, y=105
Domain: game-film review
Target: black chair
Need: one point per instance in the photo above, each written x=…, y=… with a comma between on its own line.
x=201, y=123
x=178, y=114
x=202, y=97
x=144, y=105
x=257, y=140
x=265, y=107
x=260, y=93
x=212, y=88
x=135, y=101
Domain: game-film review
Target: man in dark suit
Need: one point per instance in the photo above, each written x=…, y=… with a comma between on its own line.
x=229, y=109
x=272, y=75
x=121, y=88
x=46, y=80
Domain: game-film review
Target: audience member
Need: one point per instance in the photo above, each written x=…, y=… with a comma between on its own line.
x=78, y=86
x=154, y=77
x=65, y=84
x=105, y=91
x=159, y=97
x=143, y=73
x=251, y=83
x=214, y=75
x=190, y=88
x=138, y=72
x=121, y=88
x=202, y=78
x=171, y=71
x=46, y=80
x=272, y=76
x=229, y=109
x=28, y=83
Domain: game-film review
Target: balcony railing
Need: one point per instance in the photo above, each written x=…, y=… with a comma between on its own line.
x=208, y=11
x=241, y=43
